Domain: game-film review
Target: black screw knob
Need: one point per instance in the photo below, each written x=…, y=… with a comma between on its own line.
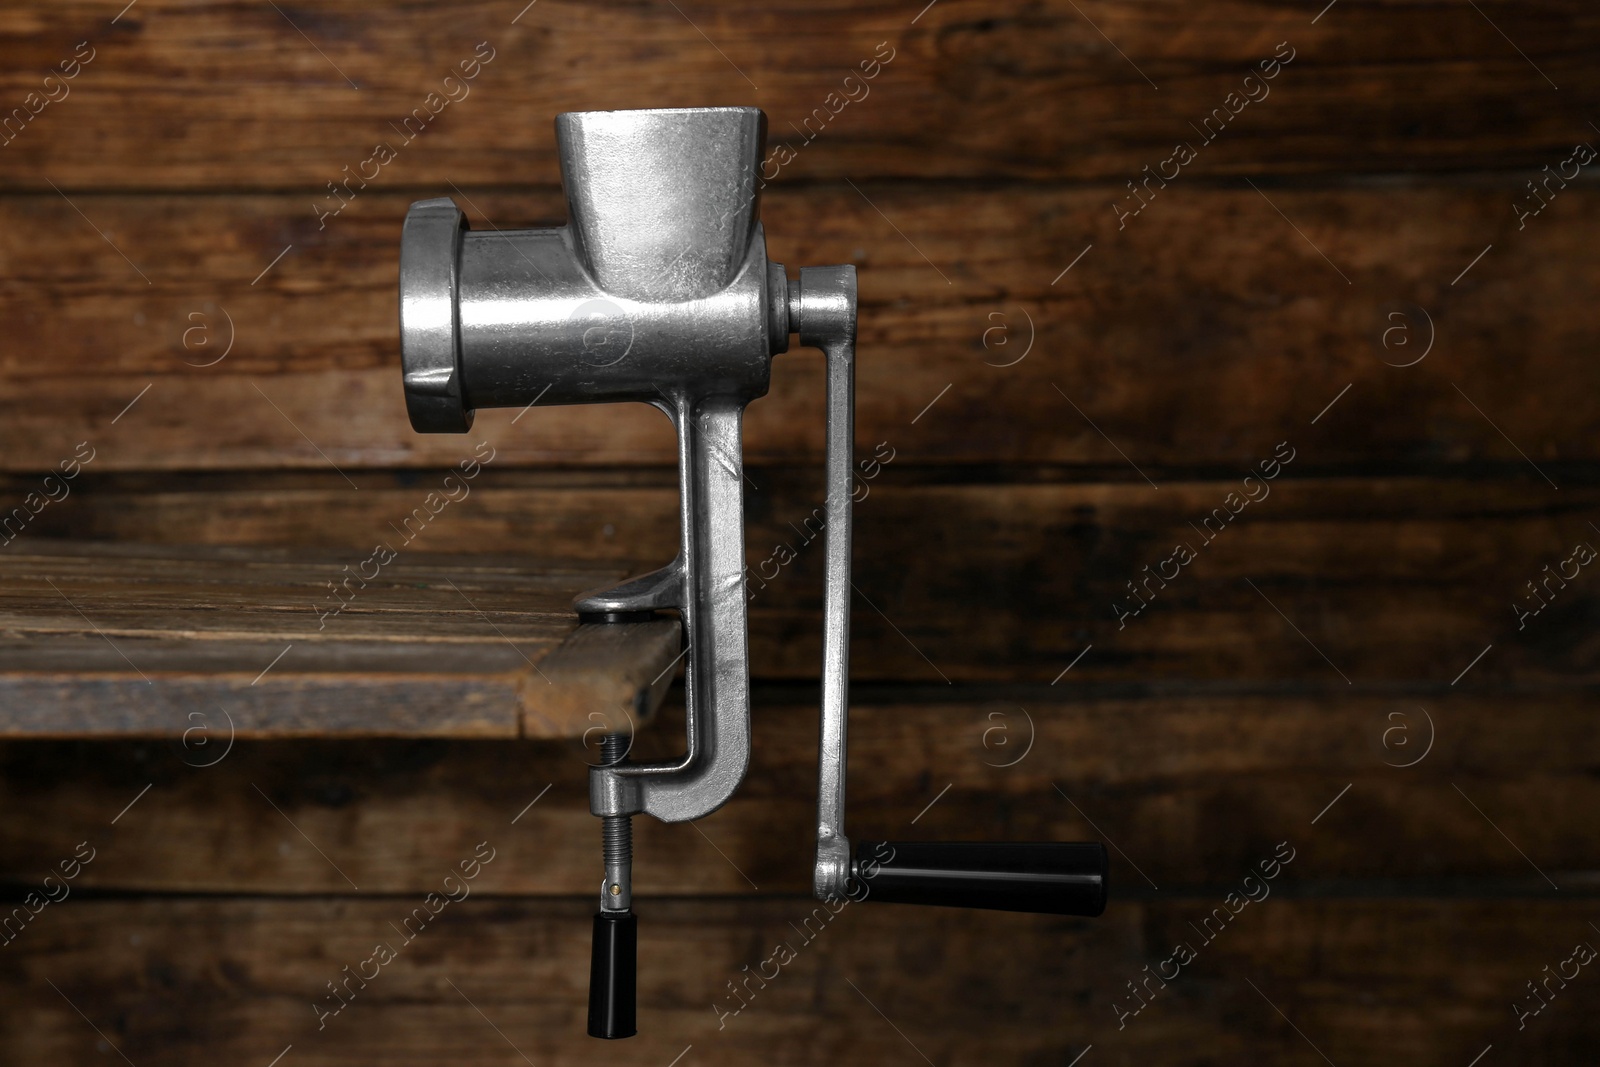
x=613, y=975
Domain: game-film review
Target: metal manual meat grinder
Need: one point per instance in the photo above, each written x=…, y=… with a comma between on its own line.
x=659, y=290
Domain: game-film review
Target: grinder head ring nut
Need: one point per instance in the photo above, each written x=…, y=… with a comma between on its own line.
x=430, y=336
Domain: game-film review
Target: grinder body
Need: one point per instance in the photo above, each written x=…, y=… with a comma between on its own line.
x=658, y=290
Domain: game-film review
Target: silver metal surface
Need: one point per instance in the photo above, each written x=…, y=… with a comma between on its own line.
x=662, y=203
x=429, y=348
x=824, y=313
x=658, y=290
x=616, y=833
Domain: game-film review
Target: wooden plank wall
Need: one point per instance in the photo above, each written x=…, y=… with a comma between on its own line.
x=1351, y=282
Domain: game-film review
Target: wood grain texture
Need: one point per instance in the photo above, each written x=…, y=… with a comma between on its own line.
x=219, y=642
x=1349, y=666
x=1204, y=330
x=501, y=982
x=209, y=95
x=1341, y=581
x=1190, y=787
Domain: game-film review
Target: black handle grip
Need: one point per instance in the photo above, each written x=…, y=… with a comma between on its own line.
x=1052, y=878
x=613, y=975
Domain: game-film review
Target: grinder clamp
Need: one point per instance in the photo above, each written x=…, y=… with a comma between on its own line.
x=659, y=290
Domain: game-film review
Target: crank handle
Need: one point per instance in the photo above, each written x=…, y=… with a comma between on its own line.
x=1045, y=877
x=1060, y=879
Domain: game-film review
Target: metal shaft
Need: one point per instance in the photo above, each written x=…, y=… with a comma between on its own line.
x=613, y=960
x=616, y=835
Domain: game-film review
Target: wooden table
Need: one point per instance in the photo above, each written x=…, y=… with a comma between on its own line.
x=108, y=640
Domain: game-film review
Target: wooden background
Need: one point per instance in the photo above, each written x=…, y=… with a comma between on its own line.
x=1357, y=619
